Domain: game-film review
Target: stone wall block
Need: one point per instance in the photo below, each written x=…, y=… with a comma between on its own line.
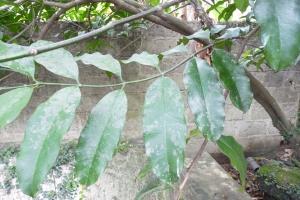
x=158, y=45
x=257, y=112
x=248, y=128
x=232, y=113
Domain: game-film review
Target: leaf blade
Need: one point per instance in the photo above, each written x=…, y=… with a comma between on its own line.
x=205, y=98
x=94, y=151
x=164, y=135
x=44, y=131
x=276, y=19
x=234, y=78
x=104, y=62
x=144, y=58
x=241, y=4
x=12, y=103
x=234, y=151
x=68, y=68
x=24, y=65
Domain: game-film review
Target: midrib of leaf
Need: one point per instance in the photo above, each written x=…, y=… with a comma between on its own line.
x=203, y=93
x=107, y=121
x=37, y=161
x=165, y=130
x=236, y=89
x=35, y=168
x=278, y=29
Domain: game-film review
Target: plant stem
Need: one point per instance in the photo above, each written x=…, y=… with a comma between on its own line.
x=190, y=169
x=246, y=39
x=37, y=84
x=91, y=34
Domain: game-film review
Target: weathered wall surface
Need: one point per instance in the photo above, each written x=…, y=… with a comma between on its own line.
x=254, y=129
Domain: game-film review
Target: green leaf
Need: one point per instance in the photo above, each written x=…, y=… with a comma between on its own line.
x=104, y=62
x=154, y=2
x=205, y=98
x=154, y=186
x=227, y=12
x=233, y=76
x=144, y=171
x=12, y=103
x=241, y=4
x=193, y=133
x=217, y=28
x=44, y=131
x=164, y=129
x=234, y=151
x=59, y=61
x=279, y=31
x=183, y=40
x=219, y=3
x=201, y=34
x=24, y=65
x=178, y=49
x=100, y=136
x=144, y=58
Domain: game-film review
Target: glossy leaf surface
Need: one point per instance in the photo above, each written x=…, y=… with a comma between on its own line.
x=205, y=98
x=279, y=31
x=104, y=62
x=12, y=103
x=164, y=129
x=144, y=58
x=24, y=65
x=233, y=76
x=44, y=131
x=100, y=136
x=59, y=61
x=234, y=151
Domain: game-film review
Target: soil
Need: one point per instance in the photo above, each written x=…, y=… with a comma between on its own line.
x=251, y=183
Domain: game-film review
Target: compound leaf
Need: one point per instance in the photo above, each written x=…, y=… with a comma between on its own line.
x=205, y=98
x=44, y=131
x=100, y=136
x=164, y=129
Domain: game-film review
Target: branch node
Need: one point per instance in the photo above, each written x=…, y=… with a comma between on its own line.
x=33, y=52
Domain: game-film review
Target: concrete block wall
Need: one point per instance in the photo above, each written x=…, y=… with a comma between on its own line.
x=254, y=129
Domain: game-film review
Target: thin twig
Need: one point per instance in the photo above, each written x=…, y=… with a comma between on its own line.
x=7, y=76
x=190, y=169
x=31, y=24
x=89, y=17
x=246, y=39
x=136, y=39
x=80, y=38
x=182, y=6
x=8, y=6
x=201, y=13
x=21, y=33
